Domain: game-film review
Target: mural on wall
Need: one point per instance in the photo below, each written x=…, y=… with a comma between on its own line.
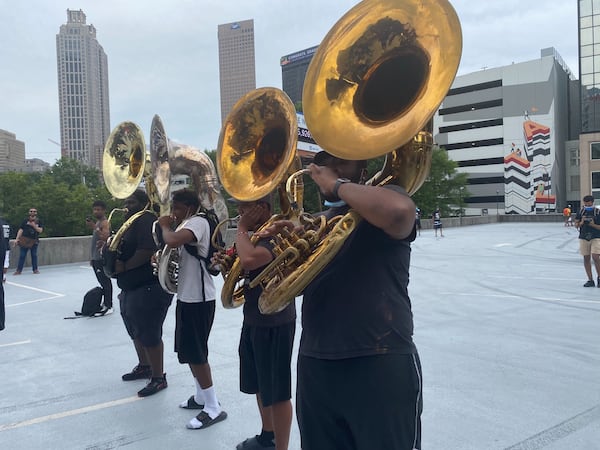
x=527, y=169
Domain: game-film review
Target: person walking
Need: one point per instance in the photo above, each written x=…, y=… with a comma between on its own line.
x=143, y=303
x=587, y=221
x=266, y=341
x=28, y=240
x=101, y=231
x=195, y=310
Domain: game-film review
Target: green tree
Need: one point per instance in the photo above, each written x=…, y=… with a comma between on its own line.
x=444, y=187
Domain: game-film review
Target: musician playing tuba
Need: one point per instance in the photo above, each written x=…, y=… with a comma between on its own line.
x=371, y=89
x=195, y=310
x=266, y=341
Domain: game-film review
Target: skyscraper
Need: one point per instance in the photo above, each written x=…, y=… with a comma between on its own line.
x=237, y=74
x=82, y=91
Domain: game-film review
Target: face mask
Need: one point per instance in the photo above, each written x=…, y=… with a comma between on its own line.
x=589, y=208
x=334, y=204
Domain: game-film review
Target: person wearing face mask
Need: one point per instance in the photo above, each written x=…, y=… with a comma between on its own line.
x=195, y=310
x=587, y=221
x=266, y=340
x=359, y=375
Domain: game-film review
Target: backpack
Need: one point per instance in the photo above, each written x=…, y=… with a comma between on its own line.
x=213, y=222
x=91, y=302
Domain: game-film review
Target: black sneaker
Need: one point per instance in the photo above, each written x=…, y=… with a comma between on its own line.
x=589, y=283
x=598, y=282
x=155, y=385
x=138, y=373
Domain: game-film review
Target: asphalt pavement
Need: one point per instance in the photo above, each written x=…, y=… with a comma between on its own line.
x=508, y=337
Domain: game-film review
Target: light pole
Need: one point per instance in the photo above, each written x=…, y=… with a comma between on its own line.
x=497, y=194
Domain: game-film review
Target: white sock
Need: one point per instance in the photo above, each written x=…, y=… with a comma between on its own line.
x=211, y=404
x=199, y=397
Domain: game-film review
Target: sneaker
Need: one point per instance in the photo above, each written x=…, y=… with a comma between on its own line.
x=103, y=311
x=589, y=283
x=253, y=444
x=138, y=373
x=17, y=272
x=155, y=385
x=36, y=272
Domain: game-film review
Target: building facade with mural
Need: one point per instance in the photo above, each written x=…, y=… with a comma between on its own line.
x=507, y=128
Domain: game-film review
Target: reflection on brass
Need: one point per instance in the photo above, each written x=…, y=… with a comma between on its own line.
x=371, y=89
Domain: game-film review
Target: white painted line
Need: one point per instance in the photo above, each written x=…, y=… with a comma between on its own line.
x=16, y=343
x=53, y=295
x=73, y=412
x=511, y=277
x=546, y=299
x=505, y=244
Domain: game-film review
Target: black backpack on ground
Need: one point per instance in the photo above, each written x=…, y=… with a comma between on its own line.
x=213, y=221
x=92, y=301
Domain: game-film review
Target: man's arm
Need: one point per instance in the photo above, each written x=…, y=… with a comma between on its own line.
x=174, y=238
x=391, y=211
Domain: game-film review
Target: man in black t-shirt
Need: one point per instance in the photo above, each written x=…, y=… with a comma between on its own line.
x=266, y=341
x=359, y=375
x=28, y=239
x=143, y=302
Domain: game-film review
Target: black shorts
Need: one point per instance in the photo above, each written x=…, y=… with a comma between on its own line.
x=265, y=362
x=143, y=311
x=193, y=324
x=371, y=402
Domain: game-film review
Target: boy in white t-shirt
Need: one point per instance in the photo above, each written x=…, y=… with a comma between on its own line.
x=195, y=309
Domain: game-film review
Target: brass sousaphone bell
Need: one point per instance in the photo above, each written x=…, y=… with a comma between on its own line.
x=256, y=152
x=372, y=89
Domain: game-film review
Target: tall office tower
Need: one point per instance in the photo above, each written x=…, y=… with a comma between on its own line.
x=237, y=72
x=293, y=71
x=589, y=76
x=82, y=91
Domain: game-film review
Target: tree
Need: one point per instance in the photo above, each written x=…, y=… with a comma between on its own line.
x=442, y=187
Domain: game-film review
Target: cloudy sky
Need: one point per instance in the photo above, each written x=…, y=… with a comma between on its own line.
x=163, y=55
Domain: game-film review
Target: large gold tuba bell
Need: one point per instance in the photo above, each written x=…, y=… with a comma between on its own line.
x=371, y=89
x=256, y=152
x=125, y=164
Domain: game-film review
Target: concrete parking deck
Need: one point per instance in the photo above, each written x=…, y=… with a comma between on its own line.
x=509, y=341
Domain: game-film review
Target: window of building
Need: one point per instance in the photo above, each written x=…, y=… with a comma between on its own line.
x=574, y=157
x=595, y=150
x=596, y=184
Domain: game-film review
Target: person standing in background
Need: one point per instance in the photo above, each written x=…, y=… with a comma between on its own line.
x=101, y=231
x=28, y=239
x=437, y=222
x=418, y=220
x=4, y=255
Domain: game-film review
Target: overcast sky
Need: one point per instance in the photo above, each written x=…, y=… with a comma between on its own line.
x=163, y=54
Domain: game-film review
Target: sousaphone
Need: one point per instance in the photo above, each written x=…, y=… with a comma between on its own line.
x=371, y=89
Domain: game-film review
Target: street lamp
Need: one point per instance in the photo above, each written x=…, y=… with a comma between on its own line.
x=497, y=194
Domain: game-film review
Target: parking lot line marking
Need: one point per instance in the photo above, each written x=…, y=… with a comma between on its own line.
x=546, y=299
x=53, y=295
x=16, y=343
x=73, y=412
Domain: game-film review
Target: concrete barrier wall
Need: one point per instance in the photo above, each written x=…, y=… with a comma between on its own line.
x=66, y=250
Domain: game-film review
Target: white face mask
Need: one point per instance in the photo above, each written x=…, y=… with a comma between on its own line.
x=337, y=204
